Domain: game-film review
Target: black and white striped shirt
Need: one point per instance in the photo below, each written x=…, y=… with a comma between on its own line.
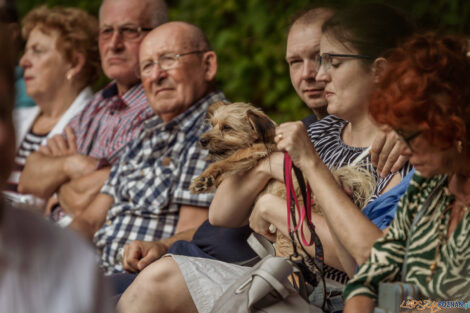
x=31, y=143
x=326, y=138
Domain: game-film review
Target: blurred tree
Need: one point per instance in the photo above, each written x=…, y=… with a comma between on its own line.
x=249, y=37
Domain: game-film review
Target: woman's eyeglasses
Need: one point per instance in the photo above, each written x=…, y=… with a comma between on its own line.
x=408, y=137
x=326, y=59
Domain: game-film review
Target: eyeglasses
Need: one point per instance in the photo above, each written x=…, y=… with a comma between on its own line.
x=407, y=138
x=165, y=62
x=326, y=59
x=126, y=31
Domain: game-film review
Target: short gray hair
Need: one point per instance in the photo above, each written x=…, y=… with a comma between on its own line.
x=157, y=11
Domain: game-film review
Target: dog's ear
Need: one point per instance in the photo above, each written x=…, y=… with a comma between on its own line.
x=213, y=107
x=262, y=125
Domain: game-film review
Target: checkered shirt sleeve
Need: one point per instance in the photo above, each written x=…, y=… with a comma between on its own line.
x=194, y=164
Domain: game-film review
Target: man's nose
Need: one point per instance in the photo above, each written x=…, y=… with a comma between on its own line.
x=117, y=41
x=309, y=70
x=157, y=73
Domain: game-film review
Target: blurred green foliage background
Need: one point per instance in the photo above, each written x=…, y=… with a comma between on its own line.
x=249, y=37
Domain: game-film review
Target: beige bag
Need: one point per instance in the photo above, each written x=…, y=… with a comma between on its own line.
x=266, y=288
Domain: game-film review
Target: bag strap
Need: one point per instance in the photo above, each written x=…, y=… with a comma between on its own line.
x=260, y=245
x=360, y=156
x=418, y=216
x=273, y=281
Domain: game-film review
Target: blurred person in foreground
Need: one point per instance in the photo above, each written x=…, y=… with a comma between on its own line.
x=9, y=17
x=424, y=97
x=76, y=164
x=60, y=63
x=42, y=268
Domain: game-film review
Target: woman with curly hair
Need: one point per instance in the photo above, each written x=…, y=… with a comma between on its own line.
x=60, y=62
x=424, y=97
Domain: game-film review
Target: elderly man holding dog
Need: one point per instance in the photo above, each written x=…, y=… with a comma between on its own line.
x=147, y=195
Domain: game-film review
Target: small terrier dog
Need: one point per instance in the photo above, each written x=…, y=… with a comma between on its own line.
x=240, y=137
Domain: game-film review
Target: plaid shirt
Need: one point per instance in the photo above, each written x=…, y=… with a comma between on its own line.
x=110, y=121
x=151, y=182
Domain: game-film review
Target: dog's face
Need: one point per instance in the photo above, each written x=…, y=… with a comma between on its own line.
x=235, y=126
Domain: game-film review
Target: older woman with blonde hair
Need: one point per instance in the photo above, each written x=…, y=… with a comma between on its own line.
x=60, y=62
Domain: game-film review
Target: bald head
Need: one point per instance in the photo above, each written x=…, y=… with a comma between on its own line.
x=177, y=68
x=311, y=16
x=154, y=12
x=189, y=36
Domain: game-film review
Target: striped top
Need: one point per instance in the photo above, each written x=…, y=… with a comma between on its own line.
x=326, y=138
x=451, y=280
x=30, y=143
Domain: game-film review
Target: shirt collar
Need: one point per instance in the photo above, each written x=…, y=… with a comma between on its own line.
x=186, y=120
x=111, y=90
x=121, y=102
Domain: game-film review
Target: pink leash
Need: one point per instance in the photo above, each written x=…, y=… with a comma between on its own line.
x=305, y=210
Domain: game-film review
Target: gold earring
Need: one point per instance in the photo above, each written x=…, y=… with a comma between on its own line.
x=459, y=146
x=69, y=75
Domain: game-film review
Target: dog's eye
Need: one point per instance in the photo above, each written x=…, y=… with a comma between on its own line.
x=226, y=128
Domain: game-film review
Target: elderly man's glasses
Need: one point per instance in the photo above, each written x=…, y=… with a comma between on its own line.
x=327, y=59
x=408, y=137
x=165, y=62
x=128, y=32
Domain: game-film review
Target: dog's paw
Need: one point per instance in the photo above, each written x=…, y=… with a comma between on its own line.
x=202, y=184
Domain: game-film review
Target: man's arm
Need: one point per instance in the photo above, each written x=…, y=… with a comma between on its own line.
x=190, y=217
x=43, y=174
x=138, y=254
x=77, y=194
x=93, y=216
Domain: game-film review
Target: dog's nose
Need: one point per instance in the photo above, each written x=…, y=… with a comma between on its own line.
x=204, y=141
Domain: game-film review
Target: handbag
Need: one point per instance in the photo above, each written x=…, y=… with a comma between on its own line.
x=265, y=287
x=393, y=295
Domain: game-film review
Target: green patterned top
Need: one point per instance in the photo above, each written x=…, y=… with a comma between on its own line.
x=451, y=279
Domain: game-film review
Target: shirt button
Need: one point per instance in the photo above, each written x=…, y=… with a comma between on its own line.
x=142, y=172
x=109, y=223
x=166, y=161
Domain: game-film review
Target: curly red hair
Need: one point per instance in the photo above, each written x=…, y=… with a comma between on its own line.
x=426, y=87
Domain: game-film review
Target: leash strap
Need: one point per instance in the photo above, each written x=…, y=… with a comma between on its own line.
x=305, y=211
x=302, y=211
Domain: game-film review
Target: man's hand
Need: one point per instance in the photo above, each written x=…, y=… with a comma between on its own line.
x=138, y=254
x=386, y=152
x=59, y=146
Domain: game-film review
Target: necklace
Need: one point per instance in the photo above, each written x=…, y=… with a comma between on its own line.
x=461, y=209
